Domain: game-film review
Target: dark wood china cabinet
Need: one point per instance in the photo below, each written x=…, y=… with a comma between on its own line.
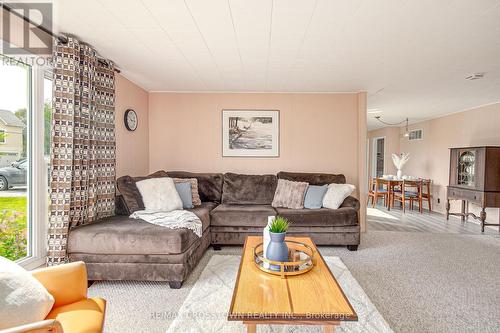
x=474, y=178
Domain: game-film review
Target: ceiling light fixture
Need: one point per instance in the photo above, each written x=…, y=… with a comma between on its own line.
x=374, y=111
x=407, y=131
x=475, y=76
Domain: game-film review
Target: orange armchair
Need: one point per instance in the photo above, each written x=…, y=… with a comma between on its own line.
x=72, y=312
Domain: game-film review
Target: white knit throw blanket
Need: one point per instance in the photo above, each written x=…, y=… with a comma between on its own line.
x=175, y=219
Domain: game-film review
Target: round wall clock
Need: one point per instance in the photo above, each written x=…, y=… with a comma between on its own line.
x=131, y=120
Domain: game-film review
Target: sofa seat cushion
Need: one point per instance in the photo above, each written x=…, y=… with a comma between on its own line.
x=322, y=217
x=241, y=215
x=203, y=212
x=123, y=235
x=85, y=316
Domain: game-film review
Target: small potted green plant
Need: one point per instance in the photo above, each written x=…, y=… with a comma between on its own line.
x=277, y=249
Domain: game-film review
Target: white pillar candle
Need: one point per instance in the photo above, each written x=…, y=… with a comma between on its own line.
x=266, y=238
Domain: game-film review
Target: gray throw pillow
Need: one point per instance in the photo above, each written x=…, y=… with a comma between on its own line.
x=314, y=196
x=184, y=190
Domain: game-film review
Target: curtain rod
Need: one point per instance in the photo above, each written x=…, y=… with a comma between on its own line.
x=61, y=38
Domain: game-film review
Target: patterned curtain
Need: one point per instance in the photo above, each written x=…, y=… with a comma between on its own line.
x=83, y=143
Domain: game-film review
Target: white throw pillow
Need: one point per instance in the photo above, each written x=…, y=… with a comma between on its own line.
x=159, y=194
x=23, y=299
x=336, y=195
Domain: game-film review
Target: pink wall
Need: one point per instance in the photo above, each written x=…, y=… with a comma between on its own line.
x=430, y=156
x=391, y=135
x=132, y=148
x=318, y=133
x=361, y=163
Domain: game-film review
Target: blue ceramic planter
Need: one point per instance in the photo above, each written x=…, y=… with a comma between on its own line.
x=277, y=249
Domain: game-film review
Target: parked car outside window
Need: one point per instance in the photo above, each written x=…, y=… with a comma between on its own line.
x=14, y=175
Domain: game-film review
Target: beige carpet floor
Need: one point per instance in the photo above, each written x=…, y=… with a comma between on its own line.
x=419, y=282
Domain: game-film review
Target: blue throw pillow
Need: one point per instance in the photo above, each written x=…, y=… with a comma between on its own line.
x=184, y=190
x=314, y=196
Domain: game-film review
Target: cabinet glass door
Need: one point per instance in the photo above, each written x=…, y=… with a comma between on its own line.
x=466, y=168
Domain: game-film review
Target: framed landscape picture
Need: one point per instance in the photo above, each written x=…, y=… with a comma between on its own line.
x=252, y=133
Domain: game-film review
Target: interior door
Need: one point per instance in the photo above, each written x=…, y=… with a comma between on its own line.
x=378, y=157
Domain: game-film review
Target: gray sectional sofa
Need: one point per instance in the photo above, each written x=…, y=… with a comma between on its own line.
x=233, y=207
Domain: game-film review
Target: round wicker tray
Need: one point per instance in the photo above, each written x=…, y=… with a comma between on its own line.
x=300, y=259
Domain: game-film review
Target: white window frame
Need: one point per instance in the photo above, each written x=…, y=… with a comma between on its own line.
x=37, y=175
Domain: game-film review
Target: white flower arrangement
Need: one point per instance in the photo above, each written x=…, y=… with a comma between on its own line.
x=399, y=161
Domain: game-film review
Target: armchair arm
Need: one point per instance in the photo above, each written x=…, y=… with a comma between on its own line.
x=351, y=202
x=67, y=283
x=44, y=326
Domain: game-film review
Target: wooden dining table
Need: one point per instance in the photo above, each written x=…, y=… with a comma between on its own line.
x=393, y=183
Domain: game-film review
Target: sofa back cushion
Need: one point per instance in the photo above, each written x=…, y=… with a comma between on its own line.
x=131, y=197
x=248, y=189
x=312, y=178
x=129, y=194
x=209, y=184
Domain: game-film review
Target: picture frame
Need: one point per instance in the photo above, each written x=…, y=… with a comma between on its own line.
x=250, y=133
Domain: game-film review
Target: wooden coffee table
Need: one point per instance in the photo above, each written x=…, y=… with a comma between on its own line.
x=313, y=298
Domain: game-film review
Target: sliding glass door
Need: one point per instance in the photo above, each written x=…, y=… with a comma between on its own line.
x=15, y=166
x=25, y=111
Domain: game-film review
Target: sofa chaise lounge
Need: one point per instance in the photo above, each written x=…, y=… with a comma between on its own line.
x=233, y=207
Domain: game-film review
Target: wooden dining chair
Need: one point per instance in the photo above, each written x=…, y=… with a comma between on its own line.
x=377, y=190
x=371, y=191
x=411, y=191
x=427, y=192
x=395, y=187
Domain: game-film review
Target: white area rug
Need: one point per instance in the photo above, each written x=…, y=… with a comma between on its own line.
x=205, y=308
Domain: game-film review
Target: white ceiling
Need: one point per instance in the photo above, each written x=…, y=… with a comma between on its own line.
x=410, y=56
